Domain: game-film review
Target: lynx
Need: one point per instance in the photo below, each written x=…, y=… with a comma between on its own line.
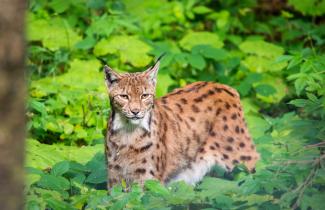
x=177, y=137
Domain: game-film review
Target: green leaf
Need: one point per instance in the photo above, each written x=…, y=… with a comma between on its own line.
x=164, y=81
x=155, y=186
x=197, y=61
x=103, y=25
x=299, y=102
x=43, y=156
x=201, y=10
x=181, y=193
x=60, y=6
x=262, y=64
x=130, y=49
x=38, y=106
x=193, y=39
x=58, y=204
x=283, y=58
x=265, y=90
x=273, y=94
x=210, y=52
x=86, y=43
x=60, y=168
x=54, y=33
x=97, y=176
x=31, y=179
x=309, y=7
x=216, y=186
x=52, y=182
x=257, y=125
x=261, y=48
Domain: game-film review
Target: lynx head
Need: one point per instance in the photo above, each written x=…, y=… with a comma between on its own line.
x=132, y=94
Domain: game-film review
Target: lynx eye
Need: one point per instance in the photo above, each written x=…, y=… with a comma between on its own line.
x=124, y=96
x=144, y=96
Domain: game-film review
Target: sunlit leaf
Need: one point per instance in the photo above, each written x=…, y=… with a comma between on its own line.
x=193, y=39
x=130, y=49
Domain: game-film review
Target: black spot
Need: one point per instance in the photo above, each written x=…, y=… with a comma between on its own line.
x=230, y=139
x=217, y=90
x=216, y=144
x=227, y=91
x=225, y=156
x=158, y=146
x=183, y=100
x=179, y=117
x=234, y=105
x=209, y=108
x=201, y=150
x=177, y=92
x=146, y=147
x=140, y=170
x=242, y=130
x=145, y=134
x=164, y=100
x=234, y=116
x=218, y=111
x=165, y=127
x=212, y=147
x=235, y=161
x=228, y=148
x=195, y=108
x=210, y=92
x=192, y=119
x=117, y=167
x=179, y=107
x=187, y=124
x=237, y=129
x=212, y=133
x=169, y=109
x=227, y=105
x=225, y=127
x=242, y=144
x=224, y=118
x=152, y=173
x=243, y=157
x=198, y=99
x=144, y=160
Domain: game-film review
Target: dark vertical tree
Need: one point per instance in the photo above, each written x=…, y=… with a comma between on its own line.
x=12, y=105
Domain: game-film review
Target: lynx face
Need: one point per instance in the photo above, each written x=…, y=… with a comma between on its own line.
x=132, y=94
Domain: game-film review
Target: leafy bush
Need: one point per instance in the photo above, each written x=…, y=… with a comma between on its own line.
x=273, y=55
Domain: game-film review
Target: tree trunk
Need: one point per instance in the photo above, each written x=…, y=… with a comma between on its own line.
x=12, y=105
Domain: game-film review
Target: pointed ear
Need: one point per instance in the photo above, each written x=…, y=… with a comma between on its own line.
x=152, y=72
x=110, y=76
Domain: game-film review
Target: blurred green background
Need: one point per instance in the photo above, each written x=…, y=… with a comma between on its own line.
x=272, y=52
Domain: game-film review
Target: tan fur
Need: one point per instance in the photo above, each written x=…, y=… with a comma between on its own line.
x=193, y=125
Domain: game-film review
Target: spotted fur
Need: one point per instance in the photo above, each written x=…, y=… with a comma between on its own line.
x=177, y=137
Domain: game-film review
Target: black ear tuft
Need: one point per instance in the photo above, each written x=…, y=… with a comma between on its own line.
x=160, y=57
x=110, y=75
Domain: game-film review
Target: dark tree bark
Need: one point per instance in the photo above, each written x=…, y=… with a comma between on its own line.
x=12, y=105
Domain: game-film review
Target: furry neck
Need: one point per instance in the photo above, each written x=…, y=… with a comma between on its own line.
x=119, y=122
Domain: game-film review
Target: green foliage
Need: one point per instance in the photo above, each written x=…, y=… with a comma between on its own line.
x=309, y=7
x=274, y=58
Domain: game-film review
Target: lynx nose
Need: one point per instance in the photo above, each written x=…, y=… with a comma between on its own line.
x=135, y=111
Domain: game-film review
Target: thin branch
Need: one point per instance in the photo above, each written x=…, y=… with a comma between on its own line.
x=308, y=181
